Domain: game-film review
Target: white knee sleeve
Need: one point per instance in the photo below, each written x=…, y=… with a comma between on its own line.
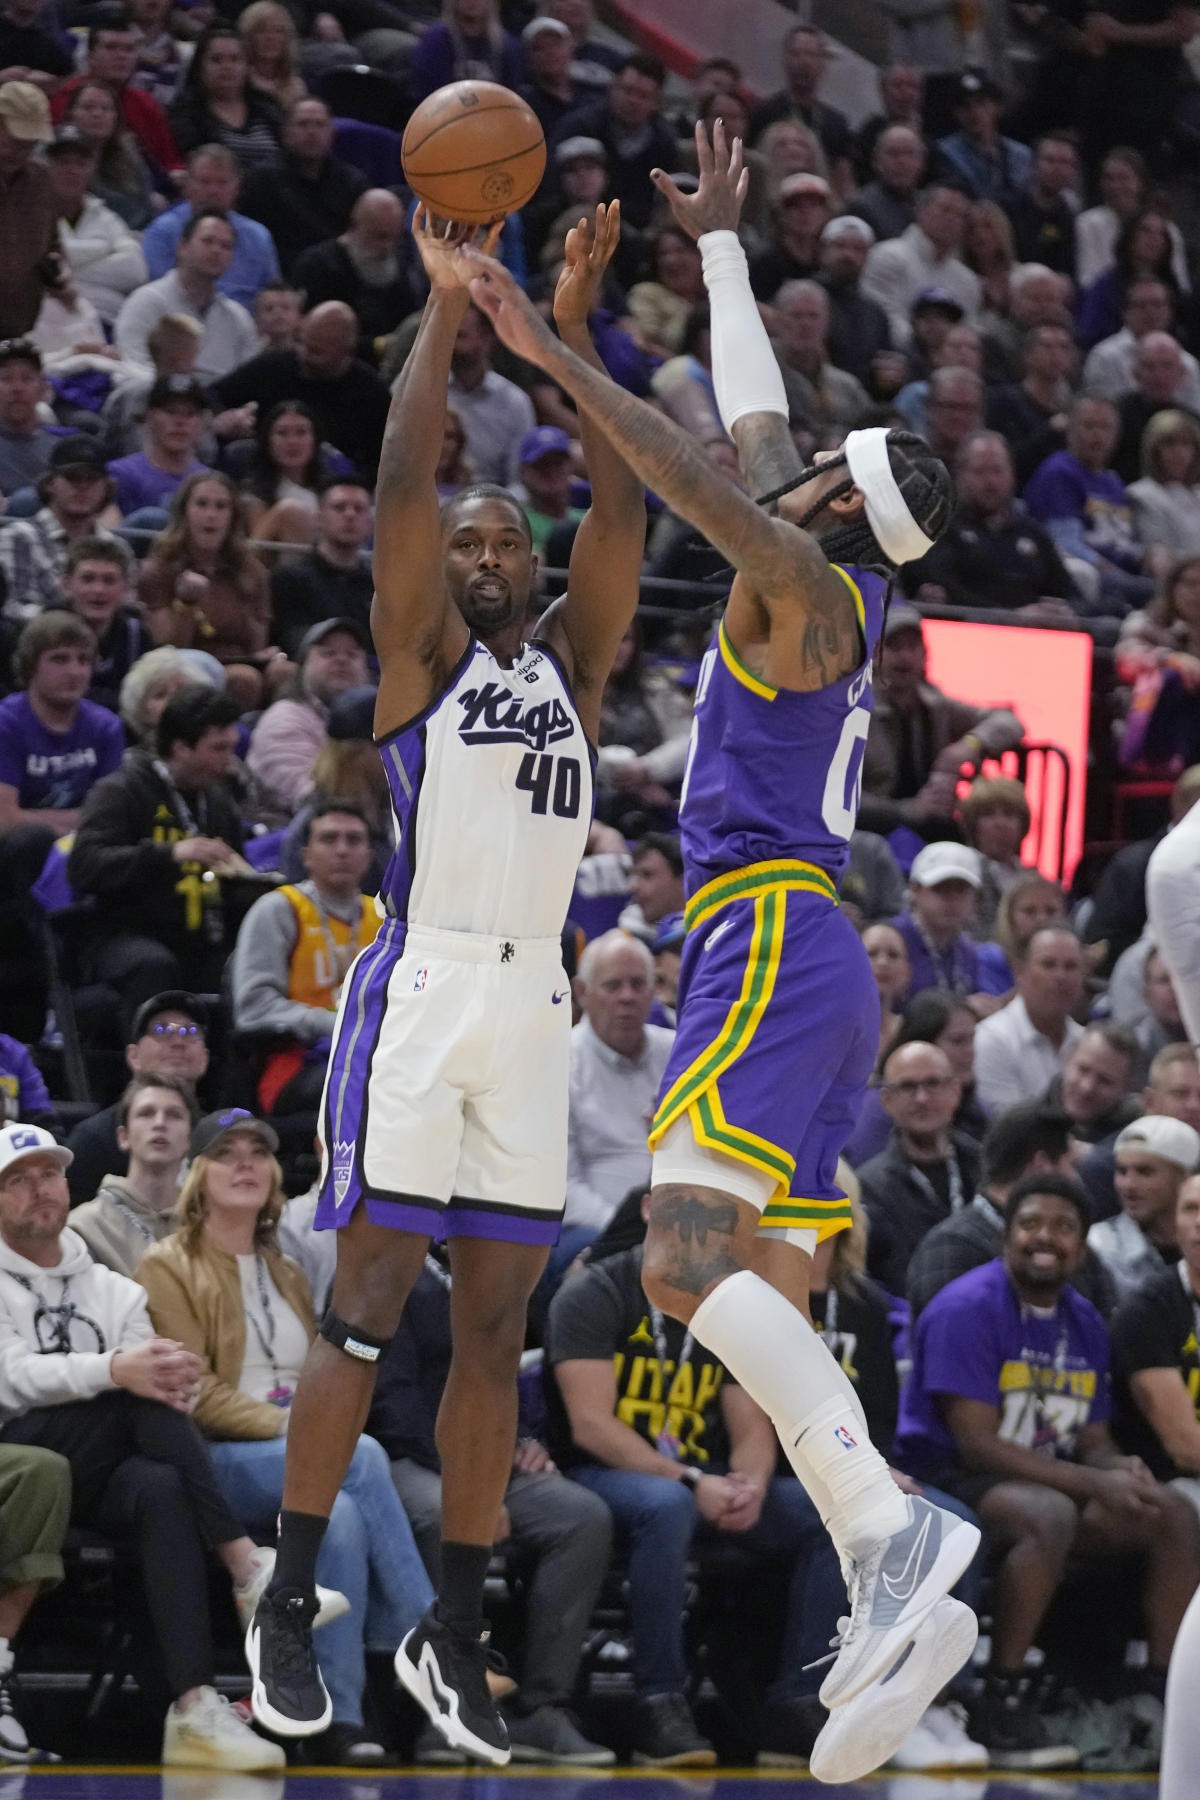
x=746, y=376
x=773, y=1352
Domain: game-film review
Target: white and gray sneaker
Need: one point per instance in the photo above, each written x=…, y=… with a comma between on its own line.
x=939, y=1739
x=14, y=1740
x=893, y=1589
x=872, y=1728
x=330, y=1603
x=210, y=1735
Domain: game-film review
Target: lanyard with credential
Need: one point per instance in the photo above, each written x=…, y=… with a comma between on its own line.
x=280, y=1394
x=187, y=817
x=950, y=970
x=953, y=1178
x=667, y=1443
x=1043, y=1383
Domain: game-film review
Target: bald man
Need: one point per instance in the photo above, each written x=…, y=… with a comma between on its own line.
x=347, y=398
x=372, y=267
x=617, y=1060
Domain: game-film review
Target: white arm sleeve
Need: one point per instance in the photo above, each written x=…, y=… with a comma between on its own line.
x=1173, y=906
x=746, y=376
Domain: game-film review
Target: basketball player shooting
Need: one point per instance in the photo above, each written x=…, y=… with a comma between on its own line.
x=779, y=1022
x=445, y=1107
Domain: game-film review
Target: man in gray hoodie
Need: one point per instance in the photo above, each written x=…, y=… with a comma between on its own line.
x=130, y=1212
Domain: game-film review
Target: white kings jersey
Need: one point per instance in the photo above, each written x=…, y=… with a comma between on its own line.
x=492, y=791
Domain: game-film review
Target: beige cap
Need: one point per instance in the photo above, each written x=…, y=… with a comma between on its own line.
x=25, y=110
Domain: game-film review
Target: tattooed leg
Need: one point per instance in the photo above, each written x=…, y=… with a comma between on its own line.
x=695, y=1237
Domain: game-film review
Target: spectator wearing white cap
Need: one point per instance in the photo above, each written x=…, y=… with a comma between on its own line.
x=1156, y=1358
x=1025, y=1046
x=804, y=204
x=28, y=216
x=924, y=255
x=551, y=90
x=1154, y=1157
x=860, y=337
x=942, y=887
x=576, y=181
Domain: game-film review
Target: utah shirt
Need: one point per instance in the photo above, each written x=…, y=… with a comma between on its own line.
x=1046, y=1373
x=53, y=771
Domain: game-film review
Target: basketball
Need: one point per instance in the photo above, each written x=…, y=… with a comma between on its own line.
x=473, y=152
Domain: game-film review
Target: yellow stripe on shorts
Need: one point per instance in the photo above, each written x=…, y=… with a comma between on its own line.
x=757, y=878
x=826, y=1217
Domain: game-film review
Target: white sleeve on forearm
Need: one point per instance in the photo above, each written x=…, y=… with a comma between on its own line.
x=746, y=376
x=1173, y=906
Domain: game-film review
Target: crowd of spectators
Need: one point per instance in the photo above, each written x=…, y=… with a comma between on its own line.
x=208, y=287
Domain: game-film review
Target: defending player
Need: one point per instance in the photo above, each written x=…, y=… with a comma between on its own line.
x=779, y=1021
x=1173, y=905
x=445, y=1108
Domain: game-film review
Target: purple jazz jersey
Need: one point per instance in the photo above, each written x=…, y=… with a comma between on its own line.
x=778, y=1011
x=1047, y=1377
x=773, y=773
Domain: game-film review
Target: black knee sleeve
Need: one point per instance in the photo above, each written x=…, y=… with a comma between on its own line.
x=359, y=1344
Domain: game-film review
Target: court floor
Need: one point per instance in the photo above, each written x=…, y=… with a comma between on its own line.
x=531, y=1784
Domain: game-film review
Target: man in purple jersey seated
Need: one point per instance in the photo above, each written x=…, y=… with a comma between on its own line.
x=1007, y=1407
x=779, y=1013
x=54, y=744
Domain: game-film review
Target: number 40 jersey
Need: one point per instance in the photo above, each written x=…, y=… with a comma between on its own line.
x=492, y=789
x=772, y=773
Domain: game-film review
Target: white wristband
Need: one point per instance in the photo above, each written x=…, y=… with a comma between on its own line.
x=746, y=376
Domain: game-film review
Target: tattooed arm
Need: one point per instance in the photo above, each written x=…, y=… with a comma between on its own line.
x=786, y=571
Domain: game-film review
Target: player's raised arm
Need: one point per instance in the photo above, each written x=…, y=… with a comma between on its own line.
x=751, y=397
x=777, y=561
x=417, y=634
x=590, y=619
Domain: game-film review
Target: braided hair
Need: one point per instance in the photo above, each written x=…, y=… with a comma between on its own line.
x=923, y=480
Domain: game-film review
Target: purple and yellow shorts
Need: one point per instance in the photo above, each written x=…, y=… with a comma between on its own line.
x=777, y=1038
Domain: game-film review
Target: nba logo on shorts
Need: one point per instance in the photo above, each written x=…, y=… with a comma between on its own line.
x=343, y=1168
x=844, y=1439
x=419, y=980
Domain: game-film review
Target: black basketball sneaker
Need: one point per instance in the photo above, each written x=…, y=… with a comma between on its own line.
x=288, y=1696
x=446, y=1674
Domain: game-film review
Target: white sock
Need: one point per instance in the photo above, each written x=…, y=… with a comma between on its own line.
x=772, y=1351
x=6, y=1656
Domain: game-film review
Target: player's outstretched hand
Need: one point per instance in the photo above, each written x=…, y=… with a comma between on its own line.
x=518, y=323
x=717, y=203
x=589, y=250
x=439, y=242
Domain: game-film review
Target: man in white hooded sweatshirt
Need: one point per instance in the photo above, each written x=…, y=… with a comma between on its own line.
x=82, y=1373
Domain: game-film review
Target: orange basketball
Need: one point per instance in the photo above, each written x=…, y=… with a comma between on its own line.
x=473, y=152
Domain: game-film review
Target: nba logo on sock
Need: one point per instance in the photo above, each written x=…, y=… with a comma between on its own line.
x=419, y=980
x=844, y=1439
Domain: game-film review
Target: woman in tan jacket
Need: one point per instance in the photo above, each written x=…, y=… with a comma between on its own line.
x=223, y=1289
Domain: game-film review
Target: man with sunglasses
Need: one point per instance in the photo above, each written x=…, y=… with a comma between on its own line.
x=168, y=1036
